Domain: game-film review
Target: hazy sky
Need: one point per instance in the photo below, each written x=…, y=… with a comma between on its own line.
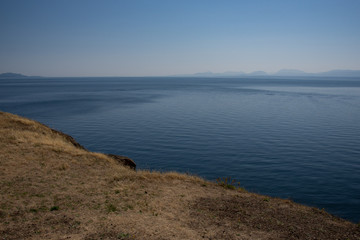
x=137, y=38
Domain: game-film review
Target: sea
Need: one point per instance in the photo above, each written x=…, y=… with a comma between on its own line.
x=293, y=138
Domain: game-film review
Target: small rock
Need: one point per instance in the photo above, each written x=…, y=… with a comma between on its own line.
x=123, y=160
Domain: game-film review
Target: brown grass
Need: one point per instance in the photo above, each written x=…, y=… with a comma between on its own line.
x=52, y=188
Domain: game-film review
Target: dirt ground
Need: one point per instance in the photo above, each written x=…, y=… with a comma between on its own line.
x=52, y=188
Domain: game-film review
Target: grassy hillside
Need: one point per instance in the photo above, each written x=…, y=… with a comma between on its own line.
x=52, y=188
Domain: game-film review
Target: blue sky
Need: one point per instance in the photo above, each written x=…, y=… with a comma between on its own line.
x=149, y=38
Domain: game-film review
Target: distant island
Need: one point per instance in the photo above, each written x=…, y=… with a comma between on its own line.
x=12, y=75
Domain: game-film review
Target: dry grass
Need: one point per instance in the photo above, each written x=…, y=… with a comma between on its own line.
x=52, y=188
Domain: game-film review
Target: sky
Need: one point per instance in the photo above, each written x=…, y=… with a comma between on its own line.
x=158, y=38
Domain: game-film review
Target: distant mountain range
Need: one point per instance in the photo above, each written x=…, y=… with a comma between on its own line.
x=281, y=73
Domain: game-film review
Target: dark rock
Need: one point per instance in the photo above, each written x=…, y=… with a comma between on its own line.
x=120, y=159
x=68, y=138
x=124, y=161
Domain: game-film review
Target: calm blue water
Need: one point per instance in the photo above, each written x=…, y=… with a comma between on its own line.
x=291, y=138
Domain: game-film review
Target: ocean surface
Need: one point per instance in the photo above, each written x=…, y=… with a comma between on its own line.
x=293, y=138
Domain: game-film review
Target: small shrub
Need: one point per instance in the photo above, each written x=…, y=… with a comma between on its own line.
x=63, y=167
x=2, y=214
x=39, y=195
x=54, y=208
x=127, y=207
x=124, y=236
x=111, y=208
x=228, y=183
x=43, y=208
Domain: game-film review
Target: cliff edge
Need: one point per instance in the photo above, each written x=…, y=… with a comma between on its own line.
x=52, y=188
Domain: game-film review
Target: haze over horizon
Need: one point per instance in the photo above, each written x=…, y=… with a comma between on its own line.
x=157, y=38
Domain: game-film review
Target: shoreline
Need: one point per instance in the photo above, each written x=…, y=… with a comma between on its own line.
x=53, y=188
